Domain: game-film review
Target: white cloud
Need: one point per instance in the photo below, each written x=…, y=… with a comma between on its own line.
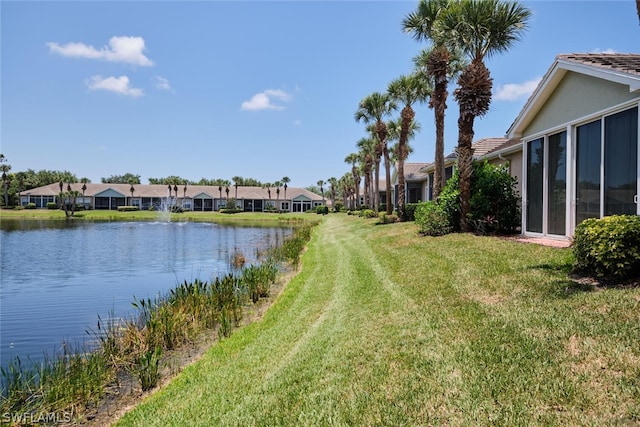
x=113, y=84
x=603, y=51
x=514, y=91
x=265, y=100
x=297, y=122
x=121, y=49
x=162, y=83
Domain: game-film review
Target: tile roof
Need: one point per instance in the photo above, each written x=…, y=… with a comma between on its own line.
x=161, y=190
x=412, y=171
x=623, y=62
x=482, y=147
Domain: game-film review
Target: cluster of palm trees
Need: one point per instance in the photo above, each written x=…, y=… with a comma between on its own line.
x=460, y=34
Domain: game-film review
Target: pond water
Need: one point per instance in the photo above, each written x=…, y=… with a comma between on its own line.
x=56, y=278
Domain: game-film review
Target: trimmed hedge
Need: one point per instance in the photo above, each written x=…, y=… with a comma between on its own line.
x=608, y=248
x=128, y=208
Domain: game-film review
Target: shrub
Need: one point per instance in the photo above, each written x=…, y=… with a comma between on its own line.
x=494, y=202
x=608, y=247
x=387, y=219
x=30, y=206
x=128, y=208
x=409, y=211
x=322, y=210
x=230, y=210
x=51, y=205
x=338, y=206
x=432, y=219
x=368, y=213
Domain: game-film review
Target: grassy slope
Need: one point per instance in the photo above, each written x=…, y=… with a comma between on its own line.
x=382, y=327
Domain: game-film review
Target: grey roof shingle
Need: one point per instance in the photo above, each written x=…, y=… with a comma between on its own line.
x=623, y=62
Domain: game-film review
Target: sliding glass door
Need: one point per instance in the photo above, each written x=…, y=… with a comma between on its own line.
x=535, y=185
x=588, y=139
x=621, y=162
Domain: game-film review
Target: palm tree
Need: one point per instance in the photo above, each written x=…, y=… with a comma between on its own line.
x=480, y=29
x=5, y=168
x=406, y=90
x=372, y=109
x=236, y=180
x=366, y=160
x=131, y=189
x=285, y=180
x=267, y=185
x=423, y=24
x=277, y=184
x=320, y=184
x=333, y=183
x=355, y=172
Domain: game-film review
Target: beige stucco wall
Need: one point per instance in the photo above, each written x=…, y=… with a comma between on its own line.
x=577, y=96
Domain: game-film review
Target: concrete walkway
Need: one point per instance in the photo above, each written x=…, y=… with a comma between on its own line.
x=545, y=241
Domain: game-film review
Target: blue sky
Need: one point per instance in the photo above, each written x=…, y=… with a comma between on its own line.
x=261, y=89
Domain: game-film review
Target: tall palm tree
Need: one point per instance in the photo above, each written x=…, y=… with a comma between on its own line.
x=5, y=168
x=480, y=29
x=423, y=25
x=355, y=172
x=236, y=181
x=366, y=160
x=277, y=184
x=372, y=109
x=285, y=180
x=267, y=186
x=320, y=184
x=406, y=90
x=333, y=184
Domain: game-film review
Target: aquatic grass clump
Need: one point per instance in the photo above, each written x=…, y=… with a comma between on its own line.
x=292, y=247
x=63, y=382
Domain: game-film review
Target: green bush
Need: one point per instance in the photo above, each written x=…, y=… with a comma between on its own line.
x=608, y=248
x=338, y=206
x=322, y=210
x=494, y=202
x=230, y=210
x=368, y=213
x=30, y=206
x=128, y=208
x=387, y=219
x=410, y=211
x=432, y=219
x=51, y=205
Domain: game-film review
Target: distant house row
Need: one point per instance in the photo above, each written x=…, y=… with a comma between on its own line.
x=574, y=147
x=191, y=197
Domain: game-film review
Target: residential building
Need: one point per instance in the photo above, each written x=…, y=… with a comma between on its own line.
x=190, y=197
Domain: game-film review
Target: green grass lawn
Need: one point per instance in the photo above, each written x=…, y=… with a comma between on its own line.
x=382, y=327
x=251, y=218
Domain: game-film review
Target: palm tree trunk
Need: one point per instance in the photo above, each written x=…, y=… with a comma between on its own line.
x=465, y=166
x=376, y=189
x=387, y=176
x=407, y=116
x=437, y=65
